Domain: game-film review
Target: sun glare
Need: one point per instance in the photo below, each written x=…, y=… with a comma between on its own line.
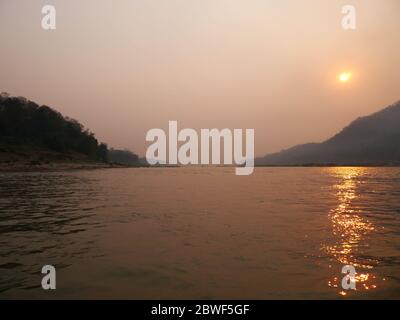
x=344, y=77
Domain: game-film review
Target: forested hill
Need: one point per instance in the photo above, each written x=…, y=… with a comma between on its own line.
x=23, y=122
x=370, y=140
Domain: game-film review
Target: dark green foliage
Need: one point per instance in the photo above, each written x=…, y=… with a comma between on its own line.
x=24, y=122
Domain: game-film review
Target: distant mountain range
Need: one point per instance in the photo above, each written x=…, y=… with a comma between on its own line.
x=370, y=140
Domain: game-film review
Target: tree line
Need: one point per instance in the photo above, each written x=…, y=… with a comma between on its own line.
x=25, y=122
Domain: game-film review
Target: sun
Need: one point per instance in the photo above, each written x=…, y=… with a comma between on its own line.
x=345, y=77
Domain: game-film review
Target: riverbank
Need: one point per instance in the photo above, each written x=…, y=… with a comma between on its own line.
x=54, y=166
x=25, y=158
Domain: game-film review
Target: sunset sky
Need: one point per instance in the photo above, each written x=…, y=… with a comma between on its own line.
x=124, y=67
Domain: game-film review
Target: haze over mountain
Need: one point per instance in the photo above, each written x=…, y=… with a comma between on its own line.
x=125, y=69
x=374, y=139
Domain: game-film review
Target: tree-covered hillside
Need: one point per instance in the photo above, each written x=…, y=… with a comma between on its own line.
x=23, y=122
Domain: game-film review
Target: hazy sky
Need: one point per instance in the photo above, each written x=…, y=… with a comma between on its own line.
x=124, y=67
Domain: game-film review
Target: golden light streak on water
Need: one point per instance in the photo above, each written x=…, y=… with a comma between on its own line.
x=350, y=228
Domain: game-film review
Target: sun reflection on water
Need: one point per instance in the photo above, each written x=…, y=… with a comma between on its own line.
x=349, y=228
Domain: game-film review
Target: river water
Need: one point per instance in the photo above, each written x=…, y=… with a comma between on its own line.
x=201, y=233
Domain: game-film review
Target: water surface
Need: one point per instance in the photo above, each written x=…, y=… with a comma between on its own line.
x=200, y=233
